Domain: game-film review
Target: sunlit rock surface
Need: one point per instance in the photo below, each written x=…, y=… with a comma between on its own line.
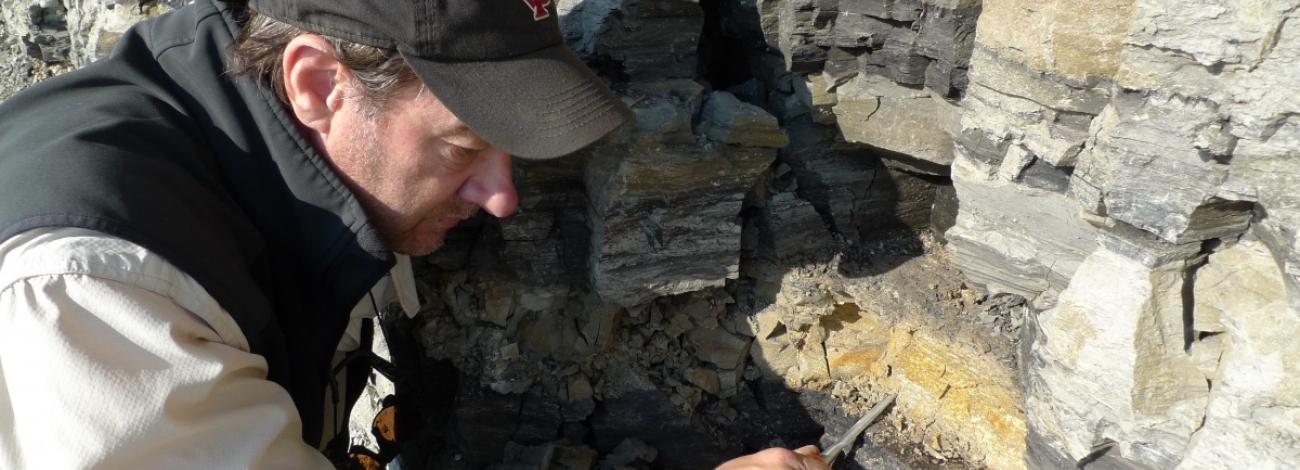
x=1065, y=234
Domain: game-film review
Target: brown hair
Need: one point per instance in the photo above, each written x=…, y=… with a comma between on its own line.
x=258, y=51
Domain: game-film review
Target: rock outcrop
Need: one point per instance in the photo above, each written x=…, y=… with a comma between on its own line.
x=40, y=39
x=1064, y=234
x=1100, y=154
x=1149, y=119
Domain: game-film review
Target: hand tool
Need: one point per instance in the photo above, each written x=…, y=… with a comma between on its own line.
x=842, y=446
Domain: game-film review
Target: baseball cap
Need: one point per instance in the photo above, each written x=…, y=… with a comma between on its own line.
x=501, y=66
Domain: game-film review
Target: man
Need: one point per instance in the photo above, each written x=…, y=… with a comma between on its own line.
x=186, y=233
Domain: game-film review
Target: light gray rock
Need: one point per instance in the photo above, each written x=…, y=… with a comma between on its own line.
x=876, y=111
x=1253, y=416
x=40, y=39
x=1014, y=238
x=1140, y=246
x=1264, y=162
x=990, y=69
x=1179, y=151
x=1210, y=32
x=96, y=26
x=801, y=28
x=1151, y=165
x=1116, y=372
x=1014, y=105
x=913, y=42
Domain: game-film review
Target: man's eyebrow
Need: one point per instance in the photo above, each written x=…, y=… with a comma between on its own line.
x=460, y=134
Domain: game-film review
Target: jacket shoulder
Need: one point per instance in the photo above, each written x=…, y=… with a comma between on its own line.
x=75, y=253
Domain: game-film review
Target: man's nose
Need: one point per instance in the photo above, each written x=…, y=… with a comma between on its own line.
x=491, y=185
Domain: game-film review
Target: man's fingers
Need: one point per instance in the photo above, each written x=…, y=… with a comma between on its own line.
x=805, y=458
x=811, y=451
x=812, y=458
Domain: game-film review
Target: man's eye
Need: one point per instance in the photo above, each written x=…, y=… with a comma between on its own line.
x=461, y=156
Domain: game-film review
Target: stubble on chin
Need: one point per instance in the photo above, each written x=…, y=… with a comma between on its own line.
x=427, y=237
x=412, y=241
x=419, y=248
x=419, y=238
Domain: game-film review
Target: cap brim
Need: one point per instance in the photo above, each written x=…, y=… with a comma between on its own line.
x=544, y=104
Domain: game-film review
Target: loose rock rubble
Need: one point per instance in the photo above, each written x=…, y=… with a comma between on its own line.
x=1064, y=234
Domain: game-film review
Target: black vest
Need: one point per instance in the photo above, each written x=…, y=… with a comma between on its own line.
x=158, y=145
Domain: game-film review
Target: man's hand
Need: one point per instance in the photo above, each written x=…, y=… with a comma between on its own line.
x=803, y=458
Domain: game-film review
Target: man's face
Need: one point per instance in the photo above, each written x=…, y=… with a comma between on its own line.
x=417, y=170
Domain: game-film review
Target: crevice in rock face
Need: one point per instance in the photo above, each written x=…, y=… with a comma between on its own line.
x=1189, y=302
x=775, y=243
x=1098, y=451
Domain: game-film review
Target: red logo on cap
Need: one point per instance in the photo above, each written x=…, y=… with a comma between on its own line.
x=539, y=9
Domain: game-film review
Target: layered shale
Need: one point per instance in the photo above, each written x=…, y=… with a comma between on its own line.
x=1065, y=235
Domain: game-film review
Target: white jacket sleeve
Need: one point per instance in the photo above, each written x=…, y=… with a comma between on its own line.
x=112, y=358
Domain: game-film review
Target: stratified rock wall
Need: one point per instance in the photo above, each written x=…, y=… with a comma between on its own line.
x=40, y=39
x=1103, y=150
x=1065, y=234
x=1182, y=102
x=664, y=213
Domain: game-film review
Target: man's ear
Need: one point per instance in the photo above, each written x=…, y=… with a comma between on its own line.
x=314, y=81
